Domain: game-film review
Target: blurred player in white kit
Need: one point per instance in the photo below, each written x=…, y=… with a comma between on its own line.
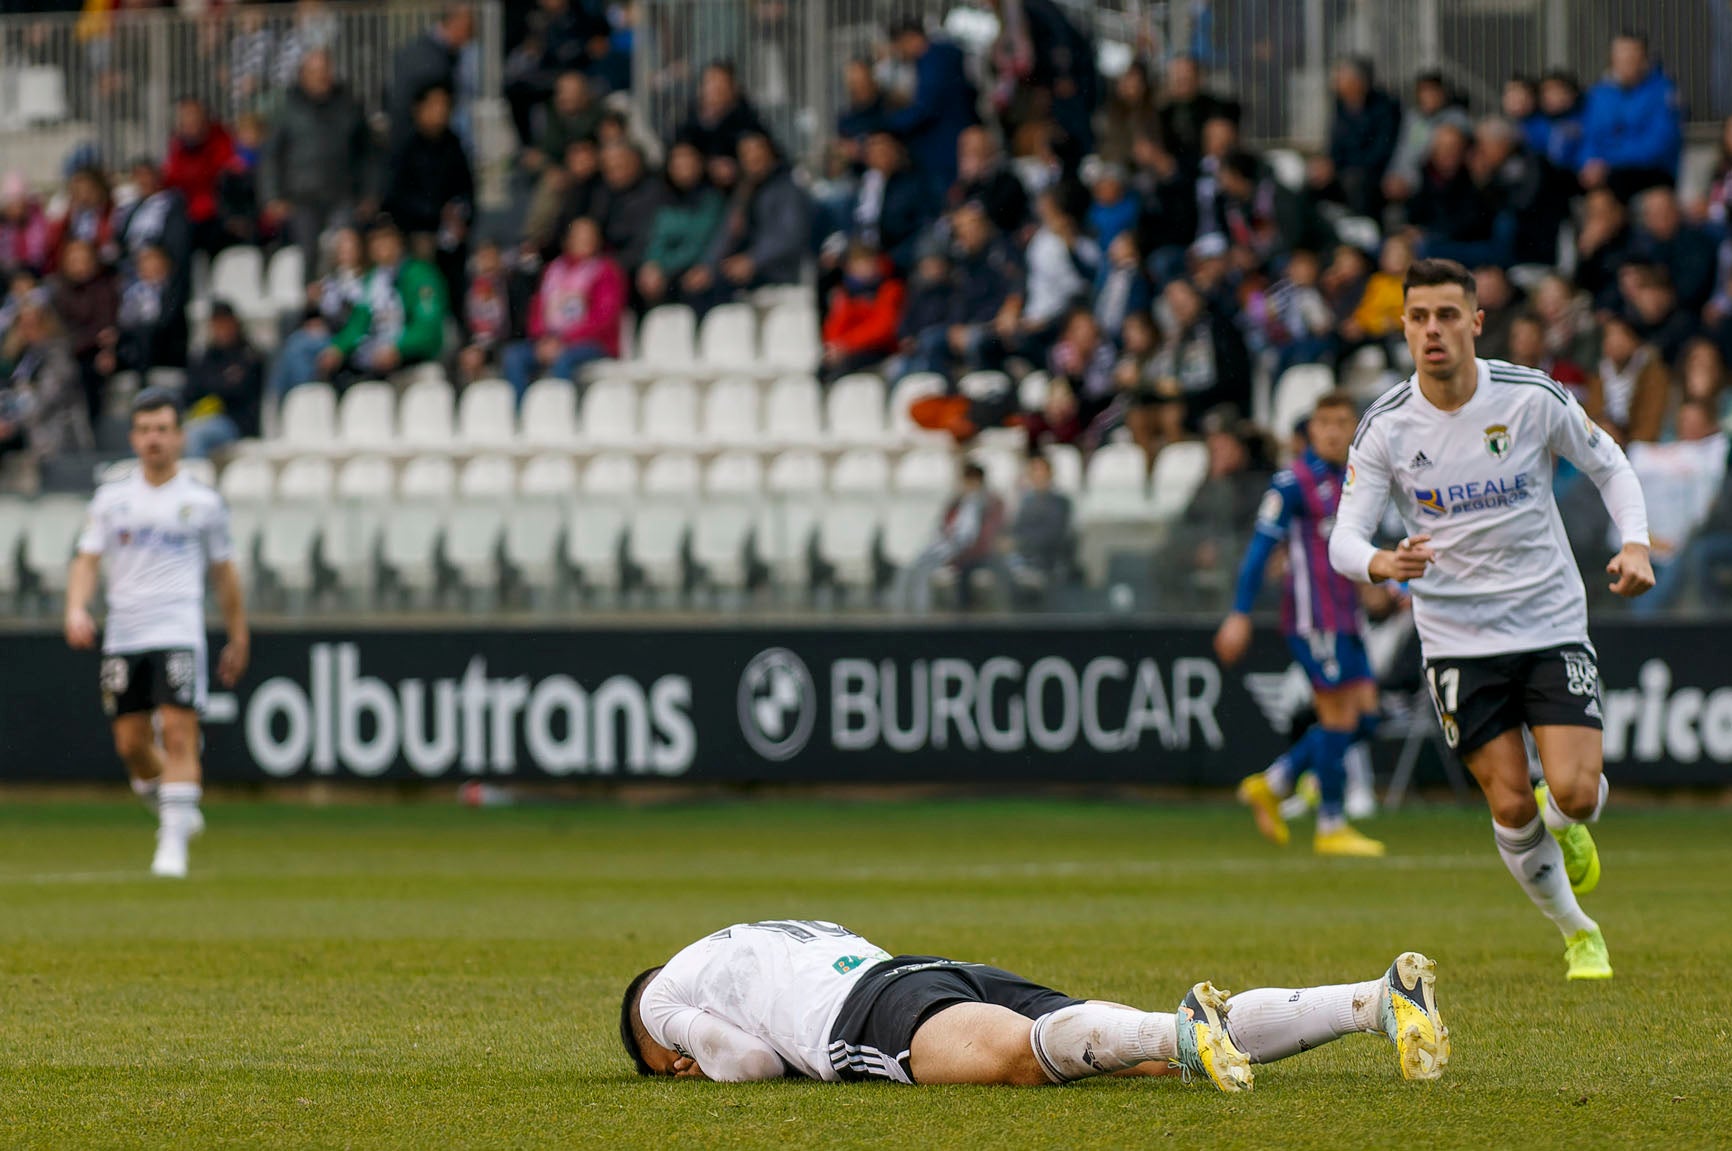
x=160, y=531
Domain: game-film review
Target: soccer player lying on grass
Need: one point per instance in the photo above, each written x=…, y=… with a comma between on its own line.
x=802, y=997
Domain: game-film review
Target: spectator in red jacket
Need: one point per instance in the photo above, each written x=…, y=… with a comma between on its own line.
x=198, y=155
x=865, y=313
x=575, y=316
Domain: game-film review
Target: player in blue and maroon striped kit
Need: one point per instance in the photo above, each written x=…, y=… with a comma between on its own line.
x=1322, y=620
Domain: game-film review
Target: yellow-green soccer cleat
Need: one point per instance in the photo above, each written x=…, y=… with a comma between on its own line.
x=1587, y=955
x=1581, y=857
x=1265, y=805
x=1346, y=840
x=1205, y=1046
x=1411, y=1019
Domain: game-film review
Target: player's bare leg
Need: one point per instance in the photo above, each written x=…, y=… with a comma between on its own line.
x=976, y=1043
x=135, y=743
x=179, y=792
x=1529, y=849
x=1338, y=713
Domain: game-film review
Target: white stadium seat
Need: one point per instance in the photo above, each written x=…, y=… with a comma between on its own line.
x=915, y=386
x=487, y=415
x=237, y=277
x=926, y=470
x=530, y=540
x=366, y=478
x=670, y=413
x=472, y=534
x=549, y=415
x=610, y=414
x=730, y=415
x=983, y=385
x=668, y=337
x=728, y=338
x=427, y=478
x=791, y=416
x=1003, y=466
x=1296, y=393
x=593, y=531
x=286, y=279
x=49, y=536
x=796, y=473
x=550, y=476
x=734, y=474
x=1180, y=470
x=672, y=474
x=366, y=417
x=658, y=537
x=786, y=521
x=1117, y=484
x=351, y=536
x=487, y=478
x=1067, y=468
x=723, y=527
x=1360, y=231
x=244, y=521
x=1032, y=391
x=612, y=475
x=791, y=340
x=910, y=525
x=14, y=520
x=855, y=410
x=847, y=532
x=309, y=417
x=424, y=415
x=307, y=479
x=247, y=479
x=287, y=539
x=409, y=543
x=860, y=472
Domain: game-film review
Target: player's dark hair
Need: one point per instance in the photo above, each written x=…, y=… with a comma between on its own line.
x=1336, y=399
x=1435, y=273
x=627, y=1009
x=156, y=400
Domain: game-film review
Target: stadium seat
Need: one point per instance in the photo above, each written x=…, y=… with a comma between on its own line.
x=795, y=473
x=670, y=413
x=409, y=542
x=926, y=470
x=487, y=415
x=791, y=338
x=1287, y=166
x=14, y=520
x=49, y=536
x=786, y=521
x=351, y=537
x=549, y=475
x=728, y=338
x=723, y=527
x=549, y=415
x=473, y=528
x=366, y=417
x=668, y=338
x=1360, y=231
x=366, y=478
x=530, y=541
x=847, y=534
x=427, y=478
x=1003, y=467
x=1117, y=485
x=308, y=418
x=288, y=537
x=909, y=388
x=860, y=472
x=910, y=525
x=249, y=479
x=1031, y=392
x=730, y=415
x=855, y=410
x=1067, y=468
x=660, y=519
x=610, y=414
x=286, y=279
x=594, y=530
x=614, y=475
x=1296, y=393
x=791, y=416
x=983, y=385
x=237, y=277
x=307, y=479
x=488, y=478
x=244, y=525
x=1180, y=470
x=424, y=415
x=734, y=474
x=674, y=473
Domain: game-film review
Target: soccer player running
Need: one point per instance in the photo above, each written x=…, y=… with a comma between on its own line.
x=1321, y=618
x=160, y=530
x=1466, y=449
x=810, y=998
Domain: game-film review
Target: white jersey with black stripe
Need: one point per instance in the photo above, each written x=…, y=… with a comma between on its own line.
x=1478, y=480
x=781, y=982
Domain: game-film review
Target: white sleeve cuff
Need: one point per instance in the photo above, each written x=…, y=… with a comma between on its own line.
x=1351, y=556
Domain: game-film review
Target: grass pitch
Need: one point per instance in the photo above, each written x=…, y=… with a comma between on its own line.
x=437, y=977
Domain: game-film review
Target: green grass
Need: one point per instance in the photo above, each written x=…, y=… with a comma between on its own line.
x=437, y=977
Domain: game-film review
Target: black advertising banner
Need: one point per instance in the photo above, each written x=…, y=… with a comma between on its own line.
x=1013, y=701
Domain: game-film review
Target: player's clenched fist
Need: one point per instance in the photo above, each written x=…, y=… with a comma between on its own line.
x=1407, y=562
x=81, y=630
x=1632, y=571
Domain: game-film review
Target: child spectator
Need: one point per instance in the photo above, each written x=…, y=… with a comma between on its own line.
x=486, y=313
x=1377, y=317
x=330, y=299
x=24, y=231
x=224, y=387
x=1290, y=317
x=152, y=320
x=865, y=313
x=89, y=216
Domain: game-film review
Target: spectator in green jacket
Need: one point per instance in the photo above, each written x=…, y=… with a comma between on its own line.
x=684, y=226
x=399, y=319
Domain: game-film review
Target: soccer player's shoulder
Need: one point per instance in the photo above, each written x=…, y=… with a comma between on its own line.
x=1384, y=409
x=1525, y=385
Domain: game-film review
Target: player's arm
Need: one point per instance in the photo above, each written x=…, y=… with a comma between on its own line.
x=1572, y=435
x=225, y=580
x=1363, y=498
x=713, y=1048
x=1273, y=516
x=82, y=577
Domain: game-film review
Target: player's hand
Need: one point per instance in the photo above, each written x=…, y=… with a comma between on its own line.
x=1634, y=571
x=232, y=664
x=685, y=1067
x=1407, y=562
x=1233, y=637
x=80, y=630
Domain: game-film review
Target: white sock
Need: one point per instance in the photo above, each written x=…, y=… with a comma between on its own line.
x=1099, y=1038
x=1270, y=1023
x=146, y=789
x=1330, y=823
x=179, y=803
x=1537, y=862
x=1279, y=776
x=1558, y=821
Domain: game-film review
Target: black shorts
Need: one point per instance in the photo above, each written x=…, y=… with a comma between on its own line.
x=1479, y=698
x=876, y=1025
x=138, y=681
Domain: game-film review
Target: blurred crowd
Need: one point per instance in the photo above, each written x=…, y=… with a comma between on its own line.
x=1007, y=213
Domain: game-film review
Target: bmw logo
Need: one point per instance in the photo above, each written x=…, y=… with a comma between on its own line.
x=778, y=704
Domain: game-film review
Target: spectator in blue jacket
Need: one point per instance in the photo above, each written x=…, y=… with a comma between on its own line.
x=943, y=104
x=1363, y=136
x=1632, y=132
x=1561, y=104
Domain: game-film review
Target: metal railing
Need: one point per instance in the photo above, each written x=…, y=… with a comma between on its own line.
x=111, y=79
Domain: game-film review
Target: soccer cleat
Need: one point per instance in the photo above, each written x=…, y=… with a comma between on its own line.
x=1205, y=1046
x=1265, y=805
x=1304, y=799
x=170, y=860
x=1587, y=956
x=1346, y=840
x=1581, y=857
x=1411, y=1019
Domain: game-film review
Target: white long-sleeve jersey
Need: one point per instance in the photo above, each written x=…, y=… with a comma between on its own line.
x=756, y=998
x=1478, y=480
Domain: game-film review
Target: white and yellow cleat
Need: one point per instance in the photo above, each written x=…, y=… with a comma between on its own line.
x=1265, y=805
x=1206, y=1048
x=1411, y=1019
x=1347, y=841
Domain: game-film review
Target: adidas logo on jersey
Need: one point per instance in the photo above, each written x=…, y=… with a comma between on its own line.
x=1420, y=462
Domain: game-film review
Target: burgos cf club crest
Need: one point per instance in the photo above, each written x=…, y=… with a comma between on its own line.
x=1497, y=441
